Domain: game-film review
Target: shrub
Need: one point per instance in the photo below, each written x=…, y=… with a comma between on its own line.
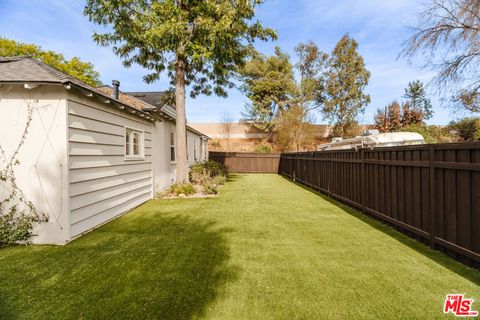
x=219, y=180
x=431, y=134
x=263, y=148
x=186, y=189
x=198, y=177
x=210, y=188
x=208, y=167
x=468, y=129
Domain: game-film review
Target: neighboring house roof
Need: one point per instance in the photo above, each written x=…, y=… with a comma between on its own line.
x=163, y=110
x=28, y=70
x=155, y=98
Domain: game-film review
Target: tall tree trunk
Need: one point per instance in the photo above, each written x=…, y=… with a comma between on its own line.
x=181, y=131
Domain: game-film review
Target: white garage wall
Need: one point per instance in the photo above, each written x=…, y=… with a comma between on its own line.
x=42, y=173
x=103, y=183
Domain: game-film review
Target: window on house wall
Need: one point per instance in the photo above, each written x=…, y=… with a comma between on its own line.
x=134, y=144
x=127, y=142
x=172, y=146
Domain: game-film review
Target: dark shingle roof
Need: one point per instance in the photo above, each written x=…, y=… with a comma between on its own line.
x=21, y=69
x=27, y=69
x=154, y=97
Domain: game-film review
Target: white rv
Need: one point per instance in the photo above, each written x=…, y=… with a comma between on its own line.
x=374, y=139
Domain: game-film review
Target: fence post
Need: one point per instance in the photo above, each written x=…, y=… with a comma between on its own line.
x=433, y=219
x=294, y=165
x=363, y=181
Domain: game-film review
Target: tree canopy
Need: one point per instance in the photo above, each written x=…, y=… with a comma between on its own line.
x=211, y=38
x=447, y=37
x=200, y=44
x=268, y=83
x=416, y=95
x=346, y=79
x=75, y=67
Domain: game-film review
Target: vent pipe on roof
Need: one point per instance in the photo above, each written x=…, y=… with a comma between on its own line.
x=115, y=91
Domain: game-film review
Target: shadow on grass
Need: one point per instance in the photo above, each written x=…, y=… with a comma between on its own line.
x=440, y=258
x=141, y=266
x=232, y=177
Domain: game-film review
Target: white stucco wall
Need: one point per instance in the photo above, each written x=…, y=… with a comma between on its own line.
x=42, y=173
x=104, y=183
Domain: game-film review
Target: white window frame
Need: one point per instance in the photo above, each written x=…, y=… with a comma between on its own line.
x=172, y=145
x=141, y=144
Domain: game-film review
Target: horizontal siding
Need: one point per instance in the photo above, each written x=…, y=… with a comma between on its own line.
x=91, y=149
x=102, y=217
x=103, y=195
x=103, y=184
x=93, y=174
x=89, y=137
x=77, y=162
x=94, y=111
x=91, y=210
x=87, y=187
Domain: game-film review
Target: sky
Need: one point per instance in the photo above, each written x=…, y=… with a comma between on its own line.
x=380, y=27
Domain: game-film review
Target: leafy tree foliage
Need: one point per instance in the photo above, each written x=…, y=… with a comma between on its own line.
x=468, y=129
x=269, y=84
x=271, y=87
x=199, y=44
x=346, y=130
x=414, y=111
x=345, y=81
x=396, y=116
x=431, y=134
x=390, y=118
x=294, y=129
x=312, y=65
x=416, y=95
x=75, y=67
x=448, y=39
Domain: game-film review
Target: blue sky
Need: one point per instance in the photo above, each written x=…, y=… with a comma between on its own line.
x=379, y=26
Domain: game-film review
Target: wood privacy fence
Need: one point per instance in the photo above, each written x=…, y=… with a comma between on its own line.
x=431, y=192
x=242, y=162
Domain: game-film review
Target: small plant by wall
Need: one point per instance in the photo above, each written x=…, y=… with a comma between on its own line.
x=18, y=215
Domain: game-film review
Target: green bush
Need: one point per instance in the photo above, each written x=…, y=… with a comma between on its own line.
x=208, y=167
x=263, y=148
x=431, y=134
x=210, y=188
x=219, y=180
x=198, y=177
x=468, y=129
x=186, y=189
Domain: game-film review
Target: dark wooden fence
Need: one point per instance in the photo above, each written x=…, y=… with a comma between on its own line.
x=242, y=162
x=431, y=192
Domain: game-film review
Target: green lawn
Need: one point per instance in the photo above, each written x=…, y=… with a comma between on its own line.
x=264, y=249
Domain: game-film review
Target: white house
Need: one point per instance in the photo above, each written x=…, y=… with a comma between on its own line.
x=90, y=154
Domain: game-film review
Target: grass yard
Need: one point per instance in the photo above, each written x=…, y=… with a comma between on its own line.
x=264, y=249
